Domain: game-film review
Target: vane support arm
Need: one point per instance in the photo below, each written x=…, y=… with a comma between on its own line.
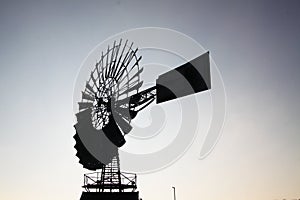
x=142, y=99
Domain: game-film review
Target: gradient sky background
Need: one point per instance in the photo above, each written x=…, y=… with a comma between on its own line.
x=255, y=45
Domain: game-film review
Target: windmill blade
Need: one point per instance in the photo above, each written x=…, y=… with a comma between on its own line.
x=129, y=84
x=190, y=78
x=98, y=71
x=115, y=71
x=94, y=80
x=84, y=116
x=126, y=63
x=114, y=66
x=111, y=61
x=113, y=133
x=136, y=75
x=90, y=88
x=84, y=105
x=106, y=64
x=85, y=157
x=102, y=67
x=88, y=135
x=137, y=86
x=87, y=96
x=123, y=67
x=122, y=123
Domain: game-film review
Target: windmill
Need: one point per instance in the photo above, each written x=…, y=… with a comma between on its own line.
x=111, y=100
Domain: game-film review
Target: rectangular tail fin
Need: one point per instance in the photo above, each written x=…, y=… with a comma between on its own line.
x=189, y=78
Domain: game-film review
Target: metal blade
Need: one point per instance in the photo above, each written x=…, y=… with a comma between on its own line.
x=111, y=73
x=90, y=88
x=94, y=140
x=87, y=139
x=123, y=66
x=137, y=86
x=126, y=62
x=117, y=65
x=106, y=64
x=93, y=79
x=111, y=59
x=87, y=96
x=84, y=105
x=102, y=67
x=85, y=157
x=134, y=76
x=113, y=132
x=123, y=124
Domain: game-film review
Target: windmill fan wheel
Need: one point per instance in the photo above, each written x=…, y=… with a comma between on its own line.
x=105, y=99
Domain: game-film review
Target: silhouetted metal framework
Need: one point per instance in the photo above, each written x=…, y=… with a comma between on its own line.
x=111, y=99
x=110, y=179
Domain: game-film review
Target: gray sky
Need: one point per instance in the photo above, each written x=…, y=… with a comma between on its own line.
x=254, y=43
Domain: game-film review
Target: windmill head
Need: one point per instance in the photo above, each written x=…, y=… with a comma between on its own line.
x=111, y=99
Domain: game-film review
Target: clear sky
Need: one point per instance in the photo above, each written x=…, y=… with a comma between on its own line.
x=255, y=45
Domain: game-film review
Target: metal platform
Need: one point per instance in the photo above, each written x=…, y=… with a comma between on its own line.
x=110, y=179
x=110, y=184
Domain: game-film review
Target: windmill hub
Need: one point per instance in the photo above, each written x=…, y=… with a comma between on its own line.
x=101, y=112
